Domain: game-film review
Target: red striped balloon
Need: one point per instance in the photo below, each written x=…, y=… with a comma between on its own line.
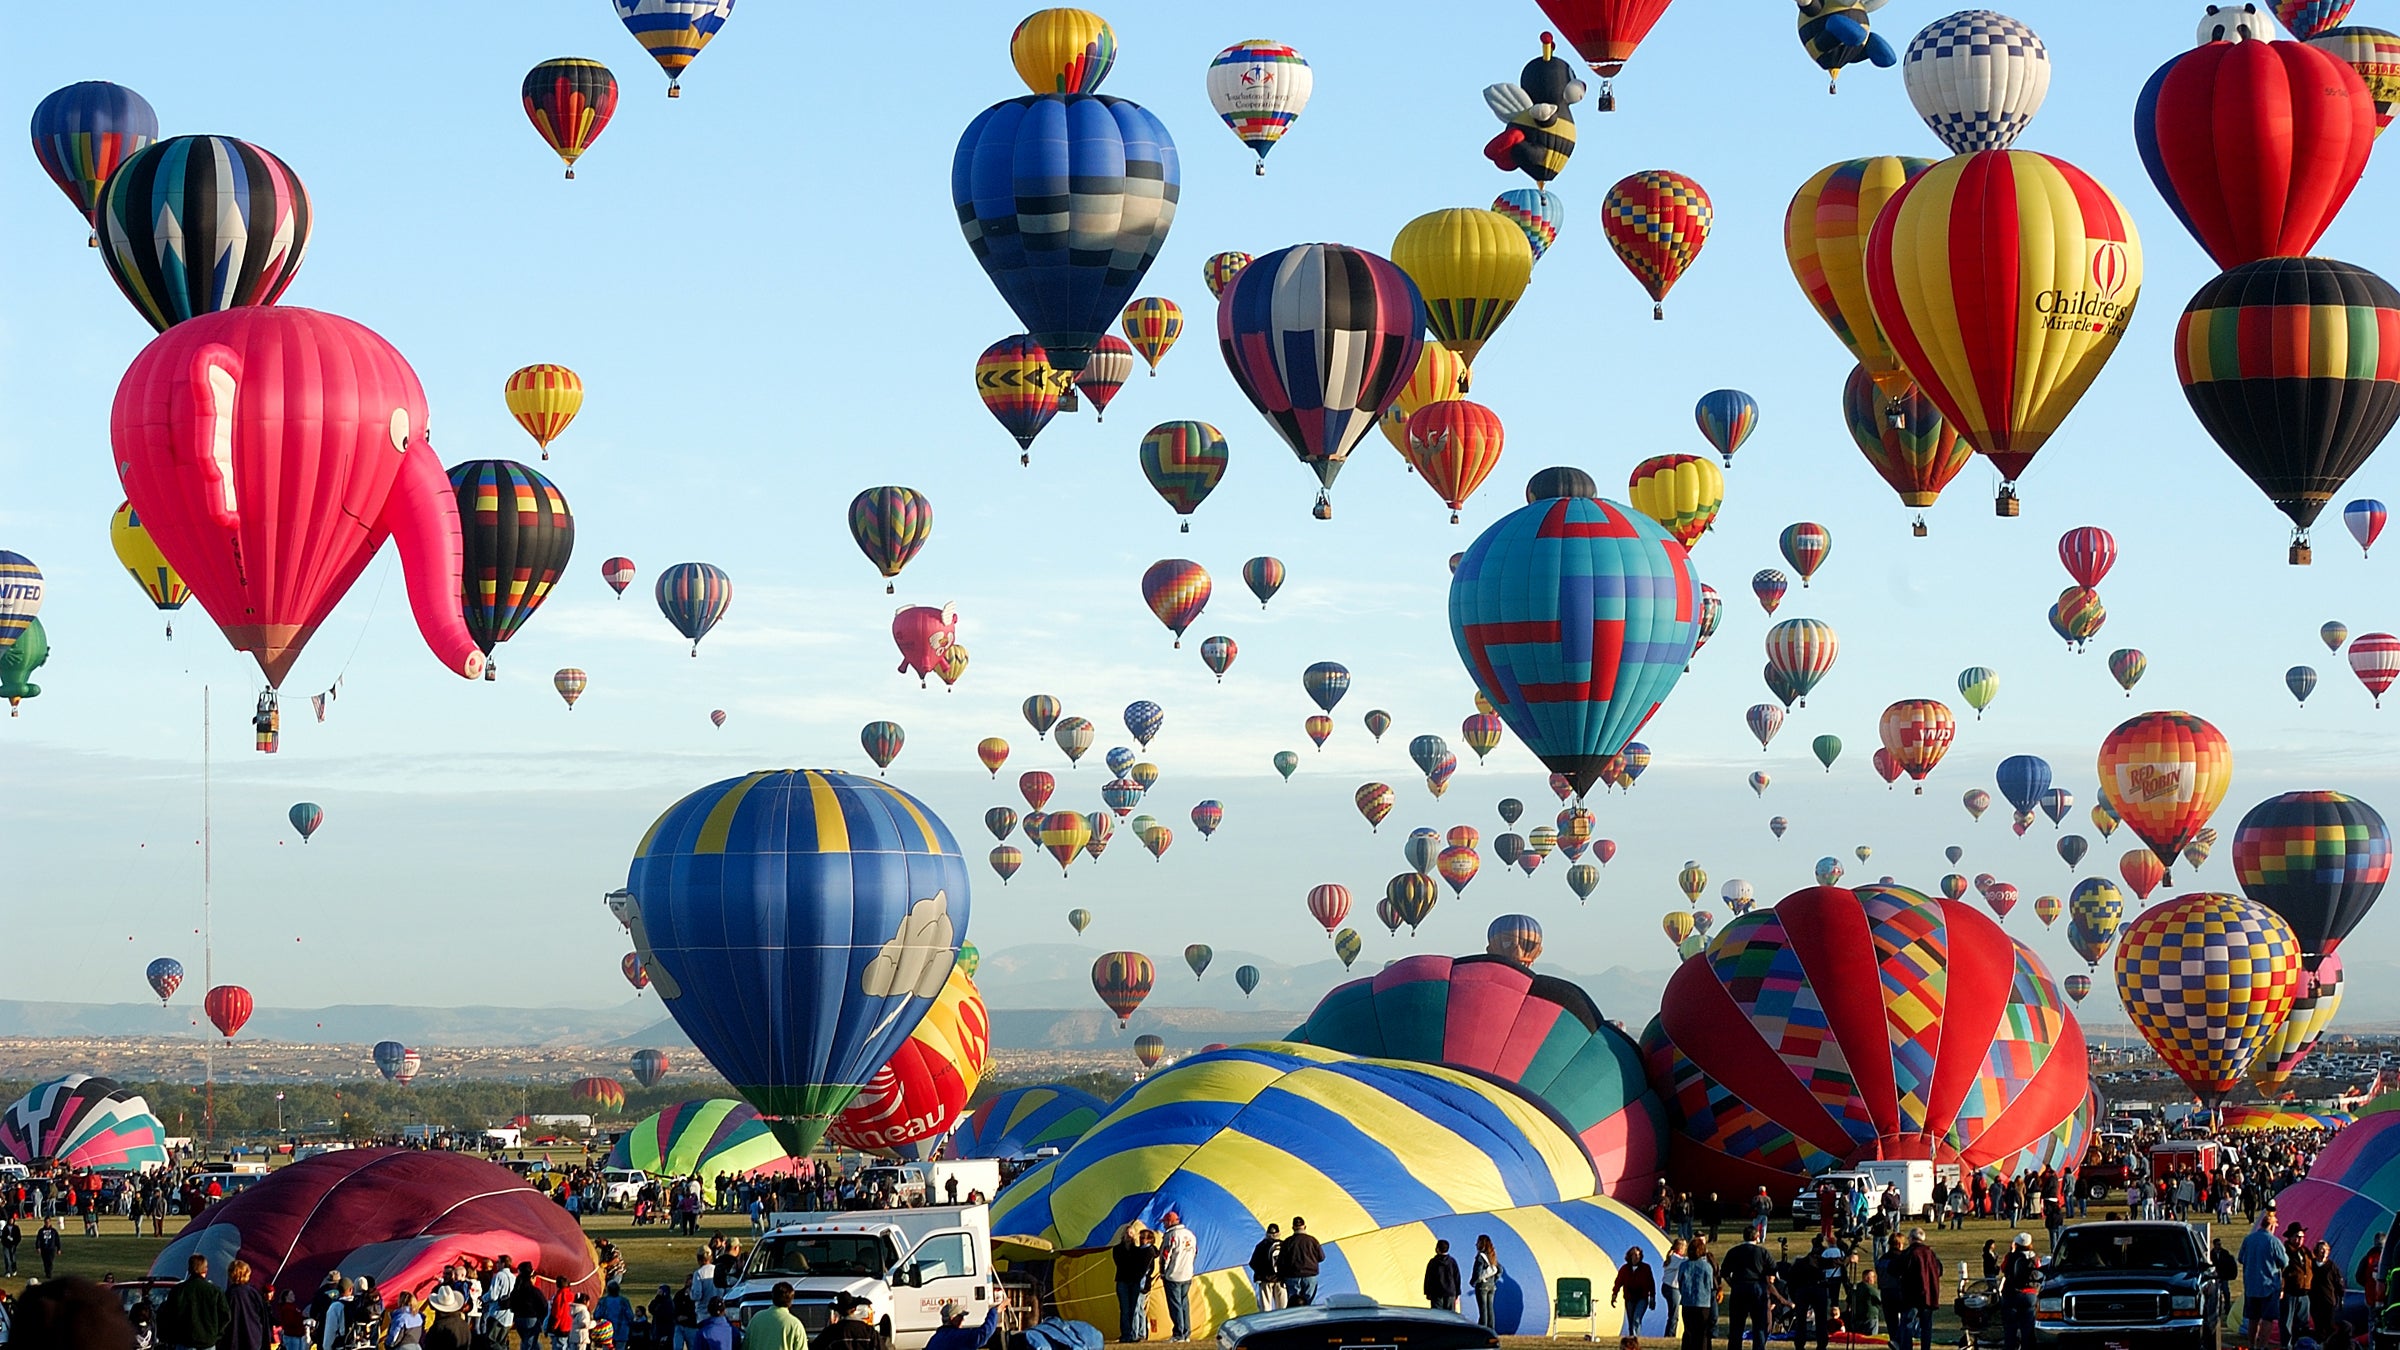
x=2087, y=552
x=2375, y=660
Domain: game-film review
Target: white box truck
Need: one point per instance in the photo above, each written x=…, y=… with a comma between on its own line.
x=905, y=1262
x=1913, y=1176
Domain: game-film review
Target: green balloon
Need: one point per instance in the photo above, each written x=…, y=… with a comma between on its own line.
x=1828, y=748
x=1285, y=763
x=20, y=659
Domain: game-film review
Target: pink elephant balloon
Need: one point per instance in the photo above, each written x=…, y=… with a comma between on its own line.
x=270, y=452
x=923, y=634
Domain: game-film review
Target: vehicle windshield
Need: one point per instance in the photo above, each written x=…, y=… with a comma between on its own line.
x=791, y=1254
x=2100, y=1248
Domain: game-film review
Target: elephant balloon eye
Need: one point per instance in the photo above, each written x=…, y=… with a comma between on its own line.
x=400, y=430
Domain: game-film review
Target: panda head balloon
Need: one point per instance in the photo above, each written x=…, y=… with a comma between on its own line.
x=2236, y=23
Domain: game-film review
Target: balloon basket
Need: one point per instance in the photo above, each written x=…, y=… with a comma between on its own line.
x=674, y=90
x=1187, y=527
x=1607, y=101
x=91, y=241
x=1658, y=311
x=1917, y=527
x=1260, y=170
x=570, y=174
x=889, y=588
x=2005, y=505
x=2301, y=555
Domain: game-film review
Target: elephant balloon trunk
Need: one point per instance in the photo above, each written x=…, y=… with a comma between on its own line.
x=421, y=516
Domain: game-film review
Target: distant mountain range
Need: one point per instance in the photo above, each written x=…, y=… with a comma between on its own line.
x=1040, y=996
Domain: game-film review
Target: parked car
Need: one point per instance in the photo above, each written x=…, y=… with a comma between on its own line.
x=2128, y=1284
x=1353, y=1320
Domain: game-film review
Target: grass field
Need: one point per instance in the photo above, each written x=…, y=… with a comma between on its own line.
x=653, y=1258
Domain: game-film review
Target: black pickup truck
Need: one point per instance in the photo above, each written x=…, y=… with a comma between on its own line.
x=2128, y=1286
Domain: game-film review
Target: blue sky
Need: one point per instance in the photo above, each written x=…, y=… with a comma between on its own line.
x=764, y=289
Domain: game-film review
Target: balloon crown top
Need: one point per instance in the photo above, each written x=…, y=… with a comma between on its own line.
x=1549, y=45
x=1560, y=482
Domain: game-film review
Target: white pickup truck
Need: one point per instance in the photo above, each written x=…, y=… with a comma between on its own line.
x=905, y=1262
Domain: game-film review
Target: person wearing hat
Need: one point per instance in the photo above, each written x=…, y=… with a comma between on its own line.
x=616, y=1311
x=447, y=1327
x=2020, y=1281
x=853, y=1325
x=194, y=1314
x=774, y=1327
x=1178, y=1259
x=955, y=1334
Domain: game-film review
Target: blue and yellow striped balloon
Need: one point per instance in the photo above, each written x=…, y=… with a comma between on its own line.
x=1021, y=1120
x=1380, y=1157
x=797, y=923
x=20, y=595
x=673, y=31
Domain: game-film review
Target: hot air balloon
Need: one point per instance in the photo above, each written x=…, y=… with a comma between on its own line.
x=1481, y=732
x=2164, y=774
x=1152, y=325
x=618, y=573
x=84, y=132
x=1326, y=682
x=1982, y=1005
x=882, y=742
x=1824, y=241
x=1411, y=896
x=2077, y=616
x=1321, y=337
x=1537, y=212
x=2126, y=664
x=823, y=853
x=1552, y=559
x=518, y=535
x=1905, y=438
x=673, y=31
x=1374, y=801
x=2365, y=518
x=1806, y=546
x=1537, y=117
x=1678, y=925
x=165, y=976
x=1827, y=749
x=2312, y=1014
x=1769, y=586
x=1014, y=379
x=2023, y=779
x=1604, y=33
x=1764, y=719
x=228, y=1006
x=2375, y=55
x=2071, y=849
x=1799, y=653
x=1107, y=370
x=1005, y=860
x=2094, y=912
x=2142, y=872
x=1123, y=980
x=1726, y=417
x=1259, y=88
x=1143, y=721
x=1454, y=445
x=1457, y=865
x=1836, y=33
x=1948, y=261
x=2320, y=859
x=2254, y=145
x=1001, y=821
x=2056, y=803
x=1657, y=221
x=890, y=525
x=1471, y=266
x=1978, y=686
x=2206, y=979
x=1977, y=78
x=630, y=966
x=1777, y=826
x=544, y=399
x=201, y=224
x=1176, y=589
x=2299, y=416
x=569, y=100
x=694, y=596
x=298, y=398
x=1064, y=834
x=1184, y=462
x=148, y=567
x=1918, y=732
x=1681, y=492
x=2104, y=818
x=1828, y=870
x=1206, y=816
x=1063, y=51
x=2001, y=897
x=1073, y=736
x=1066, y=261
